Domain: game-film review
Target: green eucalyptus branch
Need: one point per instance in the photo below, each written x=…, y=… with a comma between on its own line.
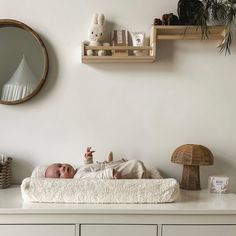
x=230, y=23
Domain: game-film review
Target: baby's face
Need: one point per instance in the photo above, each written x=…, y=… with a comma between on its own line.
x=58, y=170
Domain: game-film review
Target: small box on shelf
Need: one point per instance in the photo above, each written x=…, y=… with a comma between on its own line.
x=119, y=38
x=218, y=184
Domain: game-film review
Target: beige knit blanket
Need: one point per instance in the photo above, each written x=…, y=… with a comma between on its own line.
x=99, y=190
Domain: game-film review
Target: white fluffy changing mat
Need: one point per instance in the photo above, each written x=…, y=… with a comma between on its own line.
x=99, y=190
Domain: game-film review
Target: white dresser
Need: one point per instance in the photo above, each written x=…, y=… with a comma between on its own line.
x=196, y=213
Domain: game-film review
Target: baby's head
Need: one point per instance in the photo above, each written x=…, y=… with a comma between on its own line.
x=58, y=170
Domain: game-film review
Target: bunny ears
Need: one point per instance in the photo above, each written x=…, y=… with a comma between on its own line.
x=98, y=19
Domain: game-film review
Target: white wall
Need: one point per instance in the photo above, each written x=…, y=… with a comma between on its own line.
x=139, y=111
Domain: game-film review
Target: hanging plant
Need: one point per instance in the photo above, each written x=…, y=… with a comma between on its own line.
x=213, y=12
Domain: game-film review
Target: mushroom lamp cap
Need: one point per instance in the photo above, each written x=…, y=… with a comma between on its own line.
x=192, y=154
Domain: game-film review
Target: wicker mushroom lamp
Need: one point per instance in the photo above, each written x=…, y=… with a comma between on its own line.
x=191, y=156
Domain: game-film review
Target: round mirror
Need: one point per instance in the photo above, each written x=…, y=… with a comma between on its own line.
x=23, y=62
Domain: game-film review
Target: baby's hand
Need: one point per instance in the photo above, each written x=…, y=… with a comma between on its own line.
x=116, y=174
x=89, y=153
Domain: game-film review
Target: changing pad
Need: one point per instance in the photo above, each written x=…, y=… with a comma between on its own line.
x=99, y=190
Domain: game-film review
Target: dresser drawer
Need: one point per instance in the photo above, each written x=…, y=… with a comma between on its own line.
x=37, y=230
x=196, y=230
x=118, y=230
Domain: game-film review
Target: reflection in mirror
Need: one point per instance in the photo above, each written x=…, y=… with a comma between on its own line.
x=23, y=62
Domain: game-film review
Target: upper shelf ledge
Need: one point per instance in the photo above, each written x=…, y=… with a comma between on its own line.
x=179, y=32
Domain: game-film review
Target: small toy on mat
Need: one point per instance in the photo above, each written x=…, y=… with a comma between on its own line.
x=88, y=156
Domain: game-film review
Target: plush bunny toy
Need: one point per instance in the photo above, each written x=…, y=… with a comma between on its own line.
x=95, y=34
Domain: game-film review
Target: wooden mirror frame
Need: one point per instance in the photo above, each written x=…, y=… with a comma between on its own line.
x=18, y=24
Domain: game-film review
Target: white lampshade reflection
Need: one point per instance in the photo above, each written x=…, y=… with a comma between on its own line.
x=21, y=84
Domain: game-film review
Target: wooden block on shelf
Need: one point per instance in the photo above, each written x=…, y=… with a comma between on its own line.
x=119, y=38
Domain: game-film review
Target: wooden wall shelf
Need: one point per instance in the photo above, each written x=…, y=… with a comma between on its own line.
x=108, y=59
x=148, y=54
x=157, y=33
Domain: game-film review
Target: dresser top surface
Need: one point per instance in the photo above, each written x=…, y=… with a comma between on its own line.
x=190, y=202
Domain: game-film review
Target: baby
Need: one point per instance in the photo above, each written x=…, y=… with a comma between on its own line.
x=122, y=169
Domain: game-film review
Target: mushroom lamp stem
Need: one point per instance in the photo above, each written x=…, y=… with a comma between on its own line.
x=190, y=178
